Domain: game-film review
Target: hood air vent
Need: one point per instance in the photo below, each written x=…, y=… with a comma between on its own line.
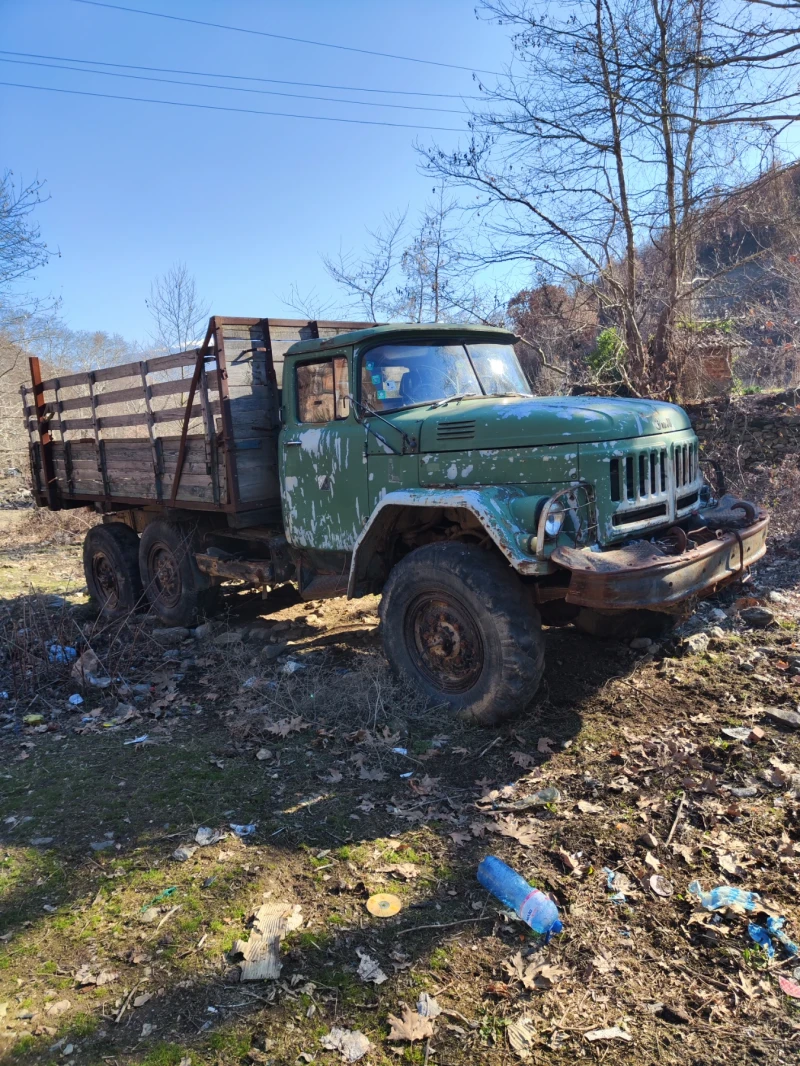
x=463, y=429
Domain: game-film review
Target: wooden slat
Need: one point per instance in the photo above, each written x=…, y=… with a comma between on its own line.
x=210, y=441
x=126, y=370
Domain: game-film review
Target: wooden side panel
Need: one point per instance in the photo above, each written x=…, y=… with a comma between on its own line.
x=114, y=433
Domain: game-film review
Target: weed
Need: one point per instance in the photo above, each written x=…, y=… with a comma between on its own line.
x=165, y=1055
x=83, y=1024
x=439, y=959
x=235, y=1043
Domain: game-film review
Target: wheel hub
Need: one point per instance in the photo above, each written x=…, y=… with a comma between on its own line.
x=106, y=578
x=165, y=575
x=444, y=642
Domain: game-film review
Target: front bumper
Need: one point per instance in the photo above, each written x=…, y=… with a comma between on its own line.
x=641, y=576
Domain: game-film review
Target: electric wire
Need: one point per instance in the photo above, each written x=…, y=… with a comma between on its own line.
x=285, y=37
x=232, y=88
x=234, y=110
x=241, y=77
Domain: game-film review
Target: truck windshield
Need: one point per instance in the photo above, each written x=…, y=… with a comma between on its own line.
x=402, y=375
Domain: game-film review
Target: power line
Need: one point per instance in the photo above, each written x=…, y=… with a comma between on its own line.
x=243, y=77
x=234, y=110
x=284, y=37
x=231, y=88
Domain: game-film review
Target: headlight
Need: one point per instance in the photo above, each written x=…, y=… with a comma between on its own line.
x=554, y=520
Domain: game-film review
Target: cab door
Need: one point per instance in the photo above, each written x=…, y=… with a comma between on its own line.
x=322, y=457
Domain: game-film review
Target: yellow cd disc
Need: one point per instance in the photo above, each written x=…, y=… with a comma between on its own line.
x=383, y=904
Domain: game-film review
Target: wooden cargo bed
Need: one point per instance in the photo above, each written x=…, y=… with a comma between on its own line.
x=195, y=430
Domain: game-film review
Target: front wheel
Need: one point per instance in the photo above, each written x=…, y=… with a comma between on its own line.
x=178, y=592
x=460, y=624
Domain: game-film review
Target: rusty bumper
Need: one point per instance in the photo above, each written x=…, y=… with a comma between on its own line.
x=642, y=576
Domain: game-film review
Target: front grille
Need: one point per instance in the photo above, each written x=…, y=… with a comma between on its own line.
x=463, y=429
x=685, y=461
x=644, y=476
x=652, y=483
x=639, y=477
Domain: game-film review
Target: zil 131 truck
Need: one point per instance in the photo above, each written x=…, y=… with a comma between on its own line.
x=406, y=460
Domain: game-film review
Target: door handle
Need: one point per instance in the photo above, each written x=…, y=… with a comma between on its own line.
x=286, y=443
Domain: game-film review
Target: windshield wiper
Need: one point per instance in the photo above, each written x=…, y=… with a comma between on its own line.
x=450, y=399
x=409, y=443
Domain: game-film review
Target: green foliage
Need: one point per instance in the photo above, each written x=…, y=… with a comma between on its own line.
x=710, y=325
x=607, y=357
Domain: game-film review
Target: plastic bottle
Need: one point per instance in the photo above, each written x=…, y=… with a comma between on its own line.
x=532, y=906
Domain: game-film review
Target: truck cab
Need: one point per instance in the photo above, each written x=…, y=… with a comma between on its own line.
x=415, y=462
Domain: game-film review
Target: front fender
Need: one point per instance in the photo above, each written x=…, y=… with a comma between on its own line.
x=489, y=505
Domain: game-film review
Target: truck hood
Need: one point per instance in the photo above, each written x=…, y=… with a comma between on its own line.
x=508, y=422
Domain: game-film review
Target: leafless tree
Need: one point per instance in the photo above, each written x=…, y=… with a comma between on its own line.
x=419, y=273
x=624, y=125
x=178, y=311
x=367, y=279
x=431, y=264
x=22, y=249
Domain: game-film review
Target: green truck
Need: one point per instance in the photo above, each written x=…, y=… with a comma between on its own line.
x=407, y=460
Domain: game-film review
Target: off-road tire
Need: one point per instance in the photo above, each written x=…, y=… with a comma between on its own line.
x=177, y=591
x=471, y=604
x=111, y=566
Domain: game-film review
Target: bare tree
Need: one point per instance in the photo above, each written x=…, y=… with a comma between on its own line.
x=419, y=274
x=22, y=249
x=431, y=264
x=367, y=280
x=177, y=309
x=622, y=125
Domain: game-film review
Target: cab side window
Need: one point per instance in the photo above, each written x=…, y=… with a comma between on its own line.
x=322, y=390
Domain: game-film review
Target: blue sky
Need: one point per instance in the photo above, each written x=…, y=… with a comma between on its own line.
x=247, y=201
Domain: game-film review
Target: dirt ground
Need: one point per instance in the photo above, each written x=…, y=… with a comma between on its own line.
x=112, y=950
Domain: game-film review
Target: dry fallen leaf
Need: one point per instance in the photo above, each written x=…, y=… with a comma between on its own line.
x=372, y=775
x=285, y=726
x=589, y=808
x=412, y=1026
x=533, y=975
x=426, y=786
x=545, y=745
x=409, y=871
x=333, y=777
x=729, y=865
x=460, y=837
x=522, y=1036
x=145, y=997
x=521, y=759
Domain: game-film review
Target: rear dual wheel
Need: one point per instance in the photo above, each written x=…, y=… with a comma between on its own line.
x=461, y=625
x=176, y=589
x=124, y=572
x=111, y=566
